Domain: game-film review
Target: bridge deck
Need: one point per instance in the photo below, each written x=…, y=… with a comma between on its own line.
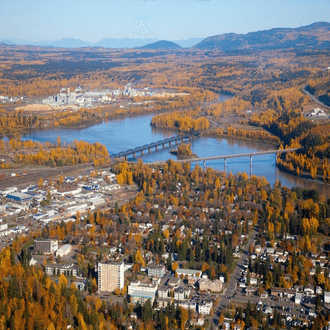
x=249, y=154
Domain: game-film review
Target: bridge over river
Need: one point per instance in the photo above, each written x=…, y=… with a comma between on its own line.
x=163, y=143
x=225, y=157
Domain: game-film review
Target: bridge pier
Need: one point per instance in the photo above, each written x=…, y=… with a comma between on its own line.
x=204, y=164
x=156, y=148
x=225, y=159
x=133, y=154
x=163, y=145
x=250, y=166
x=149, y=150
x=176, y=142
x=141, y=152
x=170, y=143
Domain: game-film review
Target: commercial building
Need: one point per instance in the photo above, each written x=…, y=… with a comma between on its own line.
x=19, y=196
x=44, y=246
x=140, y=292
x=110, y=275
x=63, y=250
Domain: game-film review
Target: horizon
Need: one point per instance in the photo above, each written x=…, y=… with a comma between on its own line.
x=172, y=20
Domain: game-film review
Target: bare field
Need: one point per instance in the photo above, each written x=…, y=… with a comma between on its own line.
x=42, y=107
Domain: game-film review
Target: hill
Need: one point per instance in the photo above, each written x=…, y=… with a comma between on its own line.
x=316, y=35
x=162, y=44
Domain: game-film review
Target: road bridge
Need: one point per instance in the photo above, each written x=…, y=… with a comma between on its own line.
x=225, y=157
x=156, y=145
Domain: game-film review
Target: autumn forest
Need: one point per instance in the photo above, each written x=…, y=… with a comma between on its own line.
x=268, y=102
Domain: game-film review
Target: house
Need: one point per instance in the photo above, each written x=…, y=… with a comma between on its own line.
x=309, y=290
x=277, y=292
x=253, y=281
x=249, y=291
x=267, y=310
x=264, y=295
x=289, y=293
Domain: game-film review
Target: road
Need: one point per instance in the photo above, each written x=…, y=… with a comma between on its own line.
x=315, y=99
x=190, y=160
x=227, y=296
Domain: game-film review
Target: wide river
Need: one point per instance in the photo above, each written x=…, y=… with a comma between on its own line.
x=131, y=132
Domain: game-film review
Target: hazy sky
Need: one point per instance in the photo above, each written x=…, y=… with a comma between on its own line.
x=92, y=20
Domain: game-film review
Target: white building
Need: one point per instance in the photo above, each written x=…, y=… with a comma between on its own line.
x=326, y=297
x=204, y=307
x=298, y=298
x=142, y=292
x=63, y=250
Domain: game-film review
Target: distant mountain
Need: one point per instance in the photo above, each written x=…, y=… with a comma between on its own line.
x=123, y=42
x=188, y=42
x=6, y=42
x=316, y=35
x=162, y=44
x=68, y=43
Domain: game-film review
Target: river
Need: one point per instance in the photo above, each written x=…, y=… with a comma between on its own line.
x=131, y=132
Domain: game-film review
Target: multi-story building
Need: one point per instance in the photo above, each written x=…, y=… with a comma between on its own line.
x=110, y=275
x=58, y=269
x=156, y=270
x=140, y=292
x=45, y=246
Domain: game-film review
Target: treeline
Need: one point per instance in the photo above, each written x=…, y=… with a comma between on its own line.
x=184, y=121
x=296, y=131
x=19, y=121
x=56, y=154
x=247, y=134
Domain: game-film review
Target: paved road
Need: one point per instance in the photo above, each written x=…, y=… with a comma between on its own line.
x=227, y=296
x=190, y=160
x=315, y=99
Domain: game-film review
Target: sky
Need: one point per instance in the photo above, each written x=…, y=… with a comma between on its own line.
x=93, y=20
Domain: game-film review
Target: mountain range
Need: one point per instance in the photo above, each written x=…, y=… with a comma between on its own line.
x=314, y=36
x=105, y=43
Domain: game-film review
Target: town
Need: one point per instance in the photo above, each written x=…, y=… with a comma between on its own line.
x=199, y=256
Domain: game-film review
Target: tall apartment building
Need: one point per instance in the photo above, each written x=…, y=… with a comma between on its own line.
x=45, y=245
x=110, y=275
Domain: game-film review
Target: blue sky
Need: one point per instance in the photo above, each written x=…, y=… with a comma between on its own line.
x=92, y=20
